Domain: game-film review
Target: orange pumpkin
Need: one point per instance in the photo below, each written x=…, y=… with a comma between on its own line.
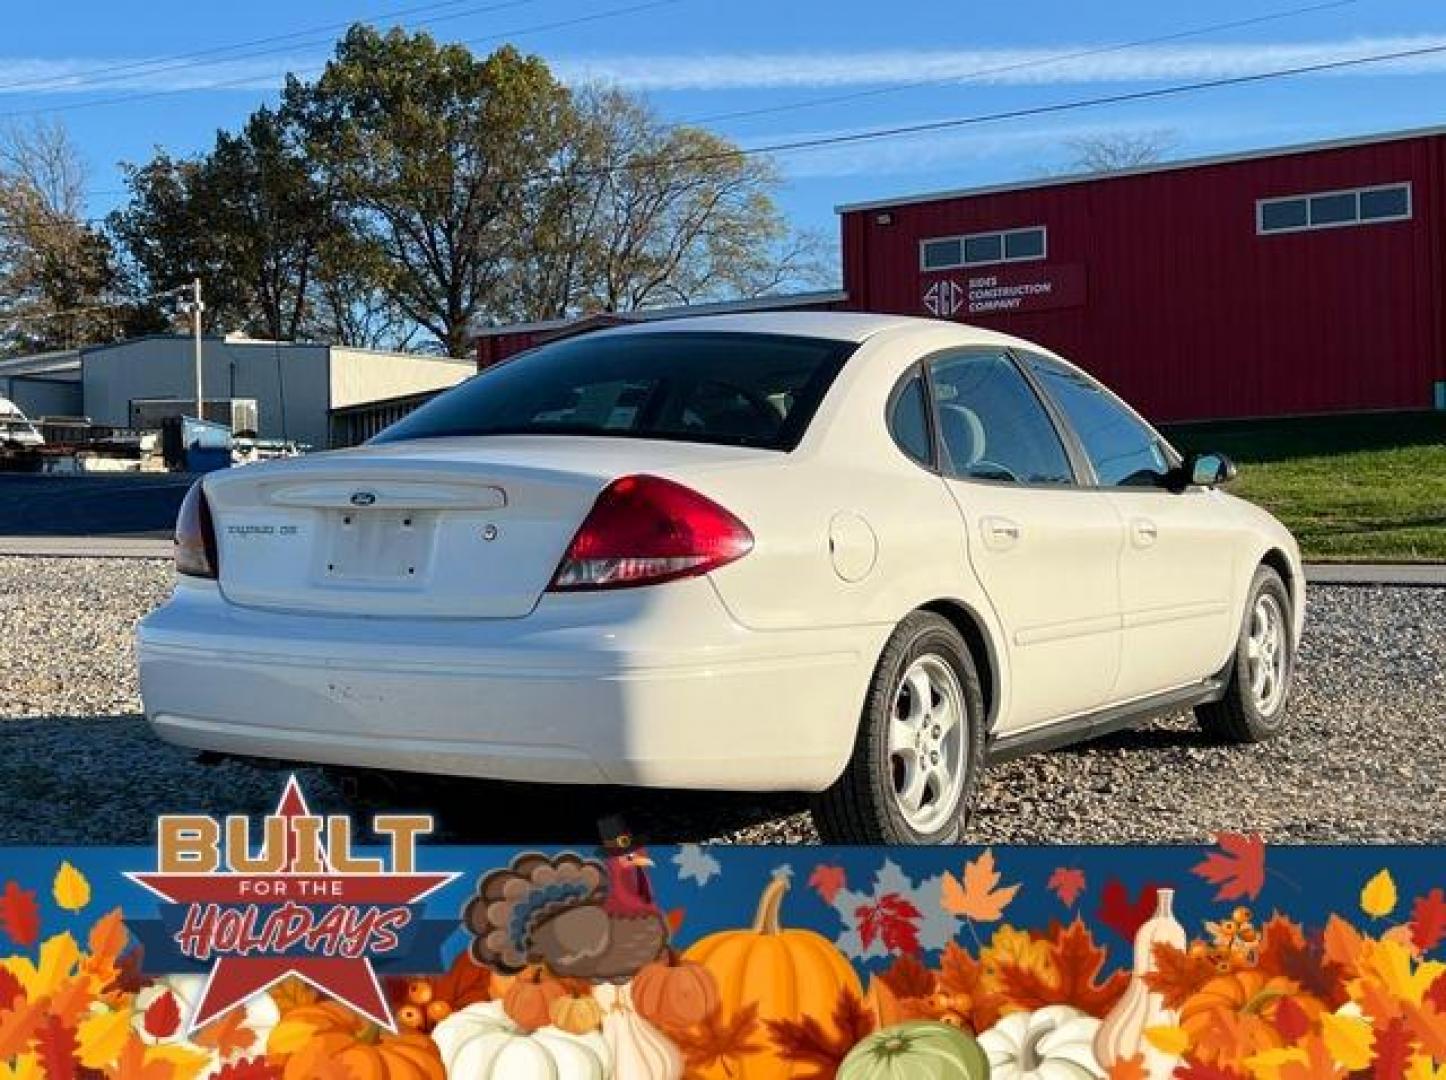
x=329, y=1033
x=529, y=999
x=1238, y=1010
x=786, y=973
x=576, y=1014
x=675, y=993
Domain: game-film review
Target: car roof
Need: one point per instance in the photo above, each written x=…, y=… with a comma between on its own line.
x=829, y=325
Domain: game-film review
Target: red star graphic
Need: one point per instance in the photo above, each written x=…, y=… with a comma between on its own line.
x=235, y=979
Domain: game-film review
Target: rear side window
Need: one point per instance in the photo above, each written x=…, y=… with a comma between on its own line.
x=991, y=424
x=757, y=390
x=909, y=420
x=1123, y=451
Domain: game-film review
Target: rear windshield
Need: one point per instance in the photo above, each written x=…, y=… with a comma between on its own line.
x=757, y=390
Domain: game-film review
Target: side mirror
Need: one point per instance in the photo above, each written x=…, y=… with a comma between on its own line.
x=1208, y=470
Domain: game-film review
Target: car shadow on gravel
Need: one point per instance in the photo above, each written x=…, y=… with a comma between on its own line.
x=105, y=779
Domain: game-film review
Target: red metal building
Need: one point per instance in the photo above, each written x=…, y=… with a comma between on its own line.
x=1301, y=280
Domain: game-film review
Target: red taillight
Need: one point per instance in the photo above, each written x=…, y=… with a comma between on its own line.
x=643, y=530
x=196, y=536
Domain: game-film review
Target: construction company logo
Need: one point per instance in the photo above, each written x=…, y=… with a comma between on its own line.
x=944, y=298
x=300, y=902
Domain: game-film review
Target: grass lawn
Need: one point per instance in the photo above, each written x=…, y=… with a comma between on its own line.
x=1359, y=487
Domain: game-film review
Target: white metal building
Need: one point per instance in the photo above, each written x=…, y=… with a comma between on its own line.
x=296, y=386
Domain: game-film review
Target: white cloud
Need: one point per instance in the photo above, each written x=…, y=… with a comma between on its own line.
x=1062, y=64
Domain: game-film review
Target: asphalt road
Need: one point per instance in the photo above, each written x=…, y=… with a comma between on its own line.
x=95, y=504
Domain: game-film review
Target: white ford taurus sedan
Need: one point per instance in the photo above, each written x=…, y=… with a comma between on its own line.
x=859, y=556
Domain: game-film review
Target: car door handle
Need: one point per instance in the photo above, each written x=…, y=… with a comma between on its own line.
x=1144, y=532
x=1000, y=533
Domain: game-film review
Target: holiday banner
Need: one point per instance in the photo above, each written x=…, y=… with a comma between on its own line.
x=283, y=948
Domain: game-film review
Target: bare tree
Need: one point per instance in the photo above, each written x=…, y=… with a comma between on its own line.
x=1121, y=150
x=55, y=269
x=640, y=214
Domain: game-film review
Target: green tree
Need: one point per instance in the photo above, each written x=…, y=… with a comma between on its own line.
x=433, y=147
x=251, y=219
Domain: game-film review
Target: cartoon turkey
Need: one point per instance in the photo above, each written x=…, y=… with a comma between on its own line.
x=582, y=918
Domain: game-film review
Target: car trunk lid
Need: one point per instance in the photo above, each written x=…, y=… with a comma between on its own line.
x=468, y=527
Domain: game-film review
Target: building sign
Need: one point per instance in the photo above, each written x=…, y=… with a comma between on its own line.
x=1006, y=290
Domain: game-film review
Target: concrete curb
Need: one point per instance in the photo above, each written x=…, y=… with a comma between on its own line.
x=87, y=547
x=1419, y=574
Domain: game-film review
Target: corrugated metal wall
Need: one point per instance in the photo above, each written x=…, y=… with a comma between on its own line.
x=1186, y=311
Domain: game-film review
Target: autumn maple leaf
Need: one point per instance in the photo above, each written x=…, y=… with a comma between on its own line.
x=1075, y=980
x=1067, y=883
x=19, y=915
x=827, y=881
x=893, y=920
x=1178, y=974
x=56, y=1047
x=1200, y=1071
x=10, y=990
x=1428, y=920
x=1238, y=867
x=809, y=1042
x=1394, y=1046
x=978, y=897
x=1123, y=915
x=1130, y=1068
x=1291, y=1020
x=718, y=1044
x=907, y=977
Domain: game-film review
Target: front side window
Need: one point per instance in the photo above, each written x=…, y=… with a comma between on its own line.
x=758, y=390
x=1123, y=451
x=991, y=424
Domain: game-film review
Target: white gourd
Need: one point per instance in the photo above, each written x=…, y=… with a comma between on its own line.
x=640, y=1051
x=481, y=1042
x=1053, y=1043
x=1122, y=1036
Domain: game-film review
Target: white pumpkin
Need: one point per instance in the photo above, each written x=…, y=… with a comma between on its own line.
x=262, y=1014
x=481, y=1042
x=1053, y=1043
x=640, y=1051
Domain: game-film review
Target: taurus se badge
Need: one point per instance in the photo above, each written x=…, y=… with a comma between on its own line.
x=363, y=498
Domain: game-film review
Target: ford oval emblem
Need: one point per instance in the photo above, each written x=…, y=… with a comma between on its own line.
x=363, y=498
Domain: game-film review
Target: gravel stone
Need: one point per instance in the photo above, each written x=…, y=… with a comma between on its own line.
x=1363, y=761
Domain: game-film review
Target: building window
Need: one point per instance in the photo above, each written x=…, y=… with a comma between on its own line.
x=1332, y=209
x=983, y=249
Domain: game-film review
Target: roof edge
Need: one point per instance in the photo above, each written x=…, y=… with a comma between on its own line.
x=1258, y=154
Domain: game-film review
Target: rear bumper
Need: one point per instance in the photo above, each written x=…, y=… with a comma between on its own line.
x=652, y=687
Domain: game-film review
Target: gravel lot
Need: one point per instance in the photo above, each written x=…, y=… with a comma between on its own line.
x=1364, y=762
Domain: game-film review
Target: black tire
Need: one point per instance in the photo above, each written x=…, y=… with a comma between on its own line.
x=1237, y=717
x=860, y=807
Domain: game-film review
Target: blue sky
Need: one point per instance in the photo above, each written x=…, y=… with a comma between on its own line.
x=715, y=58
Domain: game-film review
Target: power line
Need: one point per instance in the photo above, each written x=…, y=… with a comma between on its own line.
x=1023, y=65
x=1084, y=103
x=896, y=131
x=540, y=28
x=175, y=62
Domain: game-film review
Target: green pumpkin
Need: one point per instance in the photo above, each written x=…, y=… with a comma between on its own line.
x=918, y=1049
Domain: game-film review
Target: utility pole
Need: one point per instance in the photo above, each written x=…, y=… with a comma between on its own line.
x=196, y=308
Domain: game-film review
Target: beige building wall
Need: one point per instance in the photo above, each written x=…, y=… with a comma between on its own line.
x=360, y=375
